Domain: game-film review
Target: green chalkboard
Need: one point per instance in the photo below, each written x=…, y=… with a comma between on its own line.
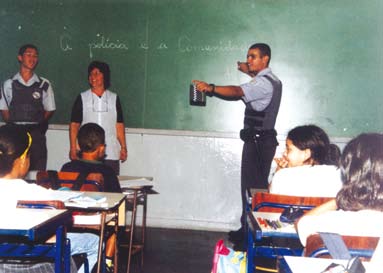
x=327, y=53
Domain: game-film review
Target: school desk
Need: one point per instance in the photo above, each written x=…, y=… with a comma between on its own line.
x=262, y=226
x=23, y=232
x=136, y=189
x=111, y=209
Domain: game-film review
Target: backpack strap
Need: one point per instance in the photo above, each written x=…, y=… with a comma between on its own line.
x=79, y=181
x=335, y=245
x=43, y=84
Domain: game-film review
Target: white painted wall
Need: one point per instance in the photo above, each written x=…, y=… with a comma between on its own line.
x=197, y=174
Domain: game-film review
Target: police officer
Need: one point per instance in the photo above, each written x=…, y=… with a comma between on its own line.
x=262, y=96
x=28, y=100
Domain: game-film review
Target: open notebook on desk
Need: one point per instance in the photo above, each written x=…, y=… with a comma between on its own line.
x=63, y=196
x=85, y=201
x=72, y=198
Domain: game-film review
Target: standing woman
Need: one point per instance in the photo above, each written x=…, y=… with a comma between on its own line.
x=101, y=106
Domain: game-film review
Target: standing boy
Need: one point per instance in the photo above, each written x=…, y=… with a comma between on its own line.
x=28, y=100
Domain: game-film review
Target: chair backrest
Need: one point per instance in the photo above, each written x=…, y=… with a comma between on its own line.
x=358, y=246
x=268, y=202
x=71, y=180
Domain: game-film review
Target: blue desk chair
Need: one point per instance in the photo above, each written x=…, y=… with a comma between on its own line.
x=258, y=244
x=80, y=258
x=37, y=248
x=80, y=182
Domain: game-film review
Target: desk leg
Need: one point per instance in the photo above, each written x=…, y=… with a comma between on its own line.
x=62, y=257
x=145, y=196
x=116, y=243
x=100, y=246
x=68, y=256
x=132, y=225
x=250, y=252
x=59, y=250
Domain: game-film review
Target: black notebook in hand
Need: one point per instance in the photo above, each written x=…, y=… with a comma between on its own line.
x=196, y=97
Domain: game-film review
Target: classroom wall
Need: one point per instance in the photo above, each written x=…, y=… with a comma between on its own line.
x=197, y=174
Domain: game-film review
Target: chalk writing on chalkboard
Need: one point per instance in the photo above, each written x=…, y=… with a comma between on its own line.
x=184, y=45
x=65, y=42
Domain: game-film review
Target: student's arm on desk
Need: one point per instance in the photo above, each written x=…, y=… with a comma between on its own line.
x=302, y=225
x=328, y=206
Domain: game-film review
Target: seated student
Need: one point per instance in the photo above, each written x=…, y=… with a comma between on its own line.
x=15, y=143
x=358, y=207
x=91, y=140
x=309, y=166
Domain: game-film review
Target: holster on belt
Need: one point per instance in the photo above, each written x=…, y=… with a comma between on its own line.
x=252, y=134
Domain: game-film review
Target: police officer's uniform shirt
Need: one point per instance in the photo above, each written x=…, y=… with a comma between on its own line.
x=48, y=96
x=259, y=91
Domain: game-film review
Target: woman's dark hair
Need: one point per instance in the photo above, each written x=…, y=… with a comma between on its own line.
x=362, y=174
x=90, y=136
x=317, y=141
x=104, y=69
x=13, y=143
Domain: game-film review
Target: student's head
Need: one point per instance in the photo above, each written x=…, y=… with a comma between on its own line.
x=362, y=174
x=15, y=143
x=91, y=138
x=258, y=57
x=25, y=47
x=28, y=56
x=310, y=145
x=99, y=71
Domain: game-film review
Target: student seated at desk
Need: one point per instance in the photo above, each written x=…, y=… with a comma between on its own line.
x=309, y=166
x=91, y=141
x=358, y=207
x=15, y=143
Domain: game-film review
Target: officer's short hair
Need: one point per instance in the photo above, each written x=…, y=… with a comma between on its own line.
x=263, y=48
